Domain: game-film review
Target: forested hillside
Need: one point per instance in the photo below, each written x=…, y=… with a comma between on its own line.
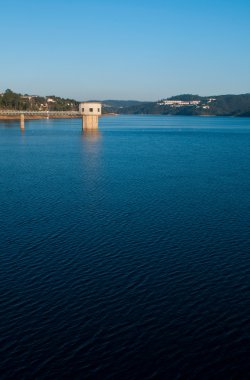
x=13, y=101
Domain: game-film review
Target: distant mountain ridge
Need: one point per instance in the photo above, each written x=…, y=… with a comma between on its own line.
x=184, y=104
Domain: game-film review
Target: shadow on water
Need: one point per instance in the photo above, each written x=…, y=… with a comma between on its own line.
x=9, y=123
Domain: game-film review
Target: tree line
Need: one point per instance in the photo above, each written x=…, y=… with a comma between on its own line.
x=10, y=100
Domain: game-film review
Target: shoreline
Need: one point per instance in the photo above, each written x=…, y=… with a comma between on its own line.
x=38, y=117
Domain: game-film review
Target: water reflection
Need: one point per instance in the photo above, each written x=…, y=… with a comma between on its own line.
x=91, y=134
x=91, y=143
x=92, y=165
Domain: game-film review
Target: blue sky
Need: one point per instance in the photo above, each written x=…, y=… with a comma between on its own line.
x=114, y=49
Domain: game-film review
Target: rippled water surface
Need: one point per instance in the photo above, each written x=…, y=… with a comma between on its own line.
x=125, y=255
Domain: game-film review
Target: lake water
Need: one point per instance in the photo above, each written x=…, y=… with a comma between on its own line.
x=125, y=255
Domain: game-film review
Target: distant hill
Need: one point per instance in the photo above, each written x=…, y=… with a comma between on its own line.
x=185, y=104
x=232, y=105
x=121, y=103
x=117, y=106
x=188, y=104
x=185, y=97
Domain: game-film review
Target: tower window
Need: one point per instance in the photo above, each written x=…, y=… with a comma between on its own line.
x=91, y=110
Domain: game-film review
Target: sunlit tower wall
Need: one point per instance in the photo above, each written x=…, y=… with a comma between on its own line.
x=90, y=114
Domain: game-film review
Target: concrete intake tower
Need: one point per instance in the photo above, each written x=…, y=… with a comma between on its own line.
x=90, y=113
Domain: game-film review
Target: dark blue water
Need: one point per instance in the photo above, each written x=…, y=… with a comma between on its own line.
x=125, y=255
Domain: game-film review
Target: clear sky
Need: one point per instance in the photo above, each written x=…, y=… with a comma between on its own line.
x=125, y=49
